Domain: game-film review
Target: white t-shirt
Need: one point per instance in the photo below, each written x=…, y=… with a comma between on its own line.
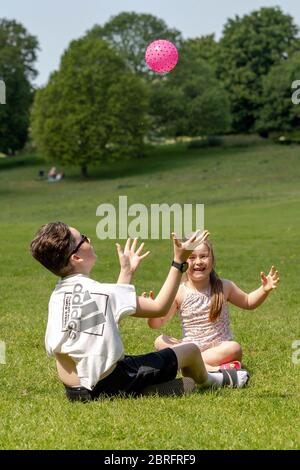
x=83, y=323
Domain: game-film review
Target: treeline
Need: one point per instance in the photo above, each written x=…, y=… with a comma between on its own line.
x=103, y=101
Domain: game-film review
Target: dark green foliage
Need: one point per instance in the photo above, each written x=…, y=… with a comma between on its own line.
x=93, y=108
x=278, y=112
x=18, y=51
x=250, y=46
x=190, y=100
x=130, y=33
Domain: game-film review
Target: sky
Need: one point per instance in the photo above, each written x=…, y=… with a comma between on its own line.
x=57, y=22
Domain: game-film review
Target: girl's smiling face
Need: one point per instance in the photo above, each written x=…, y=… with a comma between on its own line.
x=200, y=263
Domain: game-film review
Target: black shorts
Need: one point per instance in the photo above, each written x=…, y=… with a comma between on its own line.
x=131, y=375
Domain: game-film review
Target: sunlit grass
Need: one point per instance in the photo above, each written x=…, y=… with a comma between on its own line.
x=252, y=207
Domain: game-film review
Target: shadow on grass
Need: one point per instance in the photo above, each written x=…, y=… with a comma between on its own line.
x=9, y=163
x=157, y=159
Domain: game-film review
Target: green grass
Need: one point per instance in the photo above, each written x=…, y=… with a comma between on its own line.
x=252, y=205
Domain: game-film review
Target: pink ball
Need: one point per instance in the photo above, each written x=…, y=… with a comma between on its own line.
x=161, y=56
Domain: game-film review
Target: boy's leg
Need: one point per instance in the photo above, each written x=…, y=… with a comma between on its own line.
x=227, y=351
x=190, y=362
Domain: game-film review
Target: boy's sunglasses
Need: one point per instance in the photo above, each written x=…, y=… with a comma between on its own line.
x=84, y=238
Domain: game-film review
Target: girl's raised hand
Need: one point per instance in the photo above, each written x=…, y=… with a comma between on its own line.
x=131, y=256
x=182, y=250
x=270, y=281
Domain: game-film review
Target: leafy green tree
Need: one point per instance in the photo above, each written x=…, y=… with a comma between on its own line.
x=93, y=108
x=130, y=33
x=278, y=112
x=18, y=53
x=249, y=47
x=190, y=100
x=204, y=47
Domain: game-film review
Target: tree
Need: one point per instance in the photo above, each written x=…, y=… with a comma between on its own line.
x=18, y=50
x=248, y=49
x=190, y=101
x=131, y=32
x=278, y=112
x=204, y=47
x=93, y=108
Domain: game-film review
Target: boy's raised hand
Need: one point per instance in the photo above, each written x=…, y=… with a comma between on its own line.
x=270, y=281
x=131, y=256
x=182, y=250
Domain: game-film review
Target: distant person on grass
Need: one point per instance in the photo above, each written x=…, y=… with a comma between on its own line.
x=52, y=174
x=202, y=302
x=82, y=330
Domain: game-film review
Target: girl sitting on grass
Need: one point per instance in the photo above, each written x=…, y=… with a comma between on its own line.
x=202, y=302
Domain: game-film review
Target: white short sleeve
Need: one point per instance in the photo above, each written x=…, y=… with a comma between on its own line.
x=123, y=301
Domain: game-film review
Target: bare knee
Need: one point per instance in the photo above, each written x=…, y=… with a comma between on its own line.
x=236, y=350
x=164, y=341
x=188, y=354
x=159, y=343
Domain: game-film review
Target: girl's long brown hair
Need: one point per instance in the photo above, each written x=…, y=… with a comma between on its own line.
x=217, y=293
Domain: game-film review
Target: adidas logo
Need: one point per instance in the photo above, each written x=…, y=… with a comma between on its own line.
x=81, y=313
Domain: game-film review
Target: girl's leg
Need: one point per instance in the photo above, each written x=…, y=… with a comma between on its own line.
x=226, y=351
x=164, y=341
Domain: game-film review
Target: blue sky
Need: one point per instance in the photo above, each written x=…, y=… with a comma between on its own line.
x=57, y=22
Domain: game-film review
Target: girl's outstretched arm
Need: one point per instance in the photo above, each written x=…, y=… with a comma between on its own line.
x=252, y=300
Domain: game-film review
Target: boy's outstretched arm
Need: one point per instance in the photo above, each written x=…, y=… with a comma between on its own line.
x=252, y=300
x=129, y=259
x=148, y=308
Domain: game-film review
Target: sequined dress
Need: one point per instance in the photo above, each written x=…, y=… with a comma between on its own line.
x=194, y=317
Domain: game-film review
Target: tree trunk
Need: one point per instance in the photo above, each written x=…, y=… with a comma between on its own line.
x=84, y=171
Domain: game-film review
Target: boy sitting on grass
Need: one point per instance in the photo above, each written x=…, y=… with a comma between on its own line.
x=82, y=330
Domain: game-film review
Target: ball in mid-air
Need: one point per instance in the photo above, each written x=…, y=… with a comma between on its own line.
x=161, y=56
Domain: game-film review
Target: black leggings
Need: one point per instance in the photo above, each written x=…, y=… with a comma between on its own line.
x=131, y=375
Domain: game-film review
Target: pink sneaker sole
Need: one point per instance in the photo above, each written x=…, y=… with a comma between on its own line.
x=231, y=365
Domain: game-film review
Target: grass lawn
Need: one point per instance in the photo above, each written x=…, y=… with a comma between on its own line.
x=252, y=208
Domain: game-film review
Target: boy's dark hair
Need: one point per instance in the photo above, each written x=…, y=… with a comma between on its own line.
x=51, y=247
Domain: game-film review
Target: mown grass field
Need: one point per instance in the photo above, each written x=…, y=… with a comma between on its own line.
x=252, y=208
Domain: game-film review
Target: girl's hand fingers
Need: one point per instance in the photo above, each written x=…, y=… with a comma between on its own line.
x=119, y=249
x=140, y=248
x=201, y=238
x=263, y=277
x=133, y=246
x=272, y=270
x=127, y=245
x=175, y=240
x=145, y=255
